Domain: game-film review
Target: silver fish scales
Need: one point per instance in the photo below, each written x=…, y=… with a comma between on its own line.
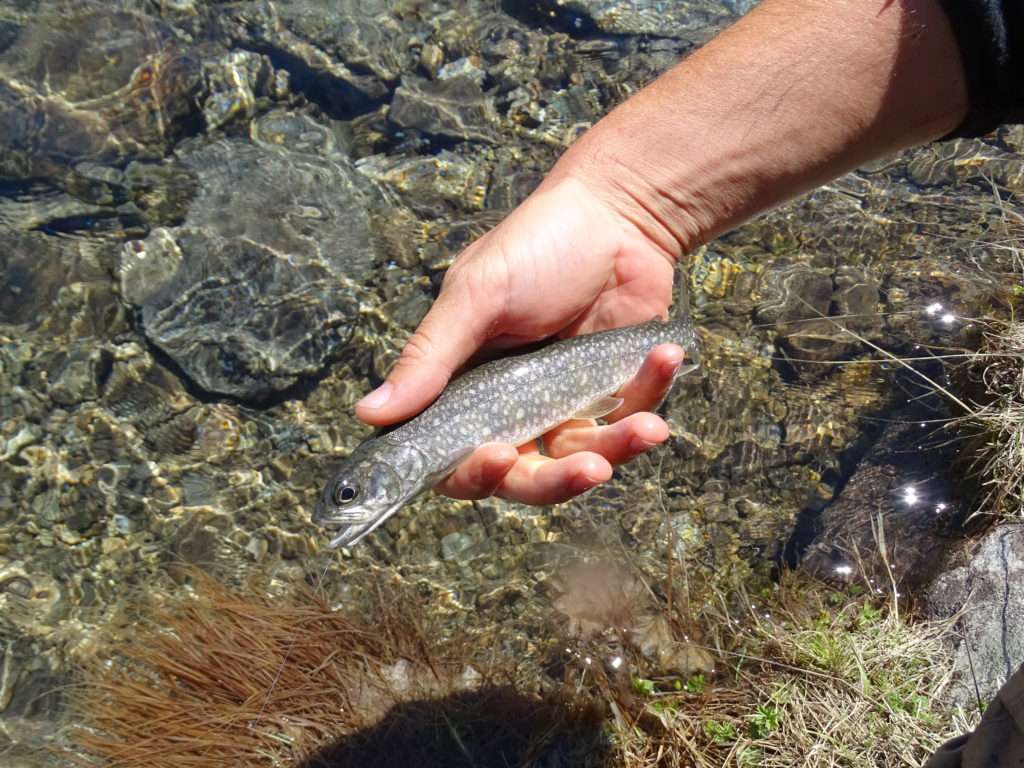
x=512, y=400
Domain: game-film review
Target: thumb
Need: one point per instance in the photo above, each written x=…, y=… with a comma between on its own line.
x=452, y=330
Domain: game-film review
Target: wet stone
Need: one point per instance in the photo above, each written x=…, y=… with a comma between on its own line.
x=300, y=133
x=92, y=84
x=17, y=585
x=694, y=21
x=80, y=376
x=366, y=36
x=234, y=82
x=435, y=184
x=456, y=108
x=259, y=286
x=900, y=484
x=57, y=285
x=454, y=545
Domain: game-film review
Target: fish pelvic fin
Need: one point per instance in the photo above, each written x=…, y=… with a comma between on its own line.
x=600, y=407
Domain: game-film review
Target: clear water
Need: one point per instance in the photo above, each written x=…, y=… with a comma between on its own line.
x=222, y=219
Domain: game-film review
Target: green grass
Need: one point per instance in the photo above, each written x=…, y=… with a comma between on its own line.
x=813, y=677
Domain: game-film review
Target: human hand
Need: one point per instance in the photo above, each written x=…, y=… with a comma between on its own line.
x=564, y=262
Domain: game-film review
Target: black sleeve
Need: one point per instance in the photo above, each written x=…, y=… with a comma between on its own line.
x=991, y=38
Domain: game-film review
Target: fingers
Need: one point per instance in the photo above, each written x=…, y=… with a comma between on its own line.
x=651, y=383
x=580, y=456
x=445, y=338
x=538, y=480
x=618, y=442
x=526, y=476
x=480, y=475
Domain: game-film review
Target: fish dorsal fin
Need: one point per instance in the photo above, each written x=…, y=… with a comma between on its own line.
x=600, y=407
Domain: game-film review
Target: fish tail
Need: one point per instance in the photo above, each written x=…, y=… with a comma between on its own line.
x=684, y=331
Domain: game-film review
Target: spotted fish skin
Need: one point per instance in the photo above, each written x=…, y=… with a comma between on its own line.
x=511, y=400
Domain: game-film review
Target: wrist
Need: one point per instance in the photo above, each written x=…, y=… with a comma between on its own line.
x=660, y=212
x=794, y=94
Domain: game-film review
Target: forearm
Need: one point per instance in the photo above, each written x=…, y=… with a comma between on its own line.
x=795, y=93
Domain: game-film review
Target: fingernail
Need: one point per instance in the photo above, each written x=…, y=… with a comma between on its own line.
x=378, y=397
x=672, y=369
x=583, y=483
x=639, y=445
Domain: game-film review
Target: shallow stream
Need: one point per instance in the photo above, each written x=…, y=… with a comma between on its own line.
x=221, y=219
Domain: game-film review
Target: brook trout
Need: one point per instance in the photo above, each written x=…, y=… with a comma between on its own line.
x=512, y=400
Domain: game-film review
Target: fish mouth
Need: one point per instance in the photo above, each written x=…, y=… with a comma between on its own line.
x=352, y=533
x=348, y=531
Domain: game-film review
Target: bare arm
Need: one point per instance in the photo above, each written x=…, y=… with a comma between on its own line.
x=795, y=93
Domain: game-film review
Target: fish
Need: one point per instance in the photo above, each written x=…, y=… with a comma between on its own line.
x=513, y=399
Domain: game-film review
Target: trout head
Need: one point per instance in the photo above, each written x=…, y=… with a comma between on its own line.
x=370, y=485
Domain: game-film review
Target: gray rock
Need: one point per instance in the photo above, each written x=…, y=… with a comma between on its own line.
x=344, y=55
x=259, y=286
x=454, y=545
x=989, y=589
x=456, y=108
x=234, y=82
x=91, y=84
x=78, y=378
x=58, y=286
x=694, y=21
x=797, y=298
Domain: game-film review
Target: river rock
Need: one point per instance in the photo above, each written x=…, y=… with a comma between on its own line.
x=91, y=84
x=455, y=108
x=898, y=495
x=692, y=21
x=258, y=286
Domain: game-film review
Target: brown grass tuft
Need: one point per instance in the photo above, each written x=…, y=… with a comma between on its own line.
x=225, y=678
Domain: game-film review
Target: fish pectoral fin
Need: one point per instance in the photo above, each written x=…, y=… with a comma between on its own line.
x=600, y=407
x=685, y=369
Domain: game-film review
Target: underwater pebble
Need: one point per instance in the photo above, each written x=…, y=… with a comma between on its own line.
x=455, y=544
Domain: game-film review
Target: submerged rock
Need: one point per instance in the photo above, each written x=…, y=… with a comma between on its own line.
x=94, y=84
x=693, y=21
x=898, y=497
x=455, y=108
x=259, y=285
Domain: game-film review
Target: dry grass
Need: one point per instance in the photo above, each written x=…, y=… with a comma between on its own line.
x=230, y=678
x=807, y=676
x=1001, y=454
x=1001, y=362
x=811, y=677
x=222, y=679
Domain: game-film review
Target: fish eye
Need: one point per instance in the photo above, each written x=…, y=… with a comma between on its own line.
x=343, y=494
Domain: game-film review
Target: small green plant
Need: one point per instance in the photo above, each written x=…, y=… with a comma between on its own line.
x=695, y=683
x=841, y=681
x=665, y=709
x=643, y=686
x=764, y=721
x=868, y=615
x=824, y=649
x=719, y=731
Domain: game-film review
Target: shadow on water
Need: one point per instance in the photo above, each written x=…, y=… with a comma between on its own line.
x=489, y=728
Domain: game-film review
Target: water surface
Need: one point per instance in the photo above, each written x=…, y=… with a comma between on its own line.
x=221, y=220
